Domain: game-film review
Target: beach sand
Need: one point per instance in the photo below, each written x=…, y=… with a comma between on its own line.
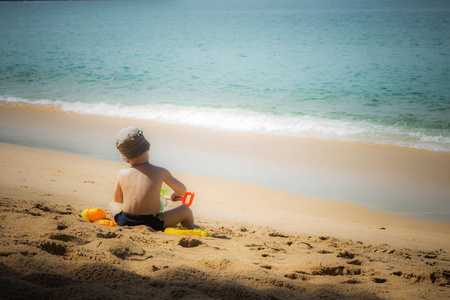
x=266, y=244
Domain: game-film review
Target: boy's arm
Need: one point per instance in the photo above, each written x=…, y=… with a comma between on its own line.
x=118, y=195
x=176, y=185
x=115, y=206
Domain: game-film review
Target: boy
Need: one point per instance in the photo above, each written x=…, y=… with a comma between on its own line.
x=137, y=192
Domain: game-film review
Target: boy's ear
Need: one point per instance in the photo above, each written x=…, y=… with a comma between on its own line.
x=148, y=149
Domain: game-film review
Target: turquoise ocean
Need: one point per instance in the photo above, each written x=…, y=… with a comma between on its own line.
x=350, y=70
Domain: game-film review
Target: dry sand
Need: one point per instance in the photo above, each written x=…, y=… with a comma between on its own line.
x=303, y=249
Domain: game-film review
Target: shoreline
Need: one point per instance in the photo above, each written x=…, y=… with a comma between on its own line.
x=378, y=177
x=58, y=108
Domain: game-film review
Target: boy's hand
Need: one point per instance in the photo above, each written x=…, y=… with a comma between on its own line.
x=174, y=196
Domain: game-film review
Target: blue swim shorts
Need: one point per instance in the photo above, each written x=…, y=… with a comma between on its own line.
x=155, y=221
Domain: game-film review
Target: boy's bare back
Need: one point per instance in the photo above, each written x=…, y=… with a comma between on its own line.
x=140, y=186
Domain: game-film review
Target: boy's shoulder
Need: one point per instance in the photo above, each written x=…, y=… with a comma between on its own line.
x=124, y=172
x=142, y=169
x=162, y=172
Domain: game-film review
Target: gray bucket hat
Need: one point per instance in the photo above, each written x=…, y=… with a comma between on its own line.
x=130, y=142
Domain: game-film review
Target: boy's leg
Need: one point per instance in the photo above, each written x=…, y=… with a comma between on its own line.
x=181, y=214
x=114, y=208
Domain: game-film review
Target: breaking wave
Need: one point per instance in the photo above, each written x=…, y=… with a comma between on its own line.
x=240, y=120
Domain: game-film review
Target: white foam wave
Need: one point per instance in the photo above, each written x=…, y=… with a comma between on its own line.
x=249, y=121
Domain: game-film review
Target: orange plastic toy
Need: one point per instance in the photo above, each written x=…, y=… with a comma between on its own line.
x=107, y=223
x=93, y=214
x=187, y=199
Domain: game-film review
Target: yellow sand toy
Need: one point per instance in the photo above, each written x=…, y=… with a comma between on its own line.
x=182, y=231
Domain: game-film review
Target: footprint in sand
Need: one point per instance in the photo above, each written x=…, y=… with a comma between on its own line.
x=68, y=238
x=53, y=248
x=440, y=277
x=297, y=275
x=189, y=242
x=130, y=251
x=354, y=262
x=107, y=235
x=336, y=271
x=277, y=234
x=255, y=247
x=61, y=226
x=346, y=254
x=324, y=252
x=379, y=280
x=42, y=207
x=351, y=281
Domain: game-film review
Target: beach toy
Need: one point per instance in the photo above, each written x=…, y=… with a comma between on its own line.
x=107, y=222
x=182, y=231
x=187, y=199
x=93, y=214
x=163, y=201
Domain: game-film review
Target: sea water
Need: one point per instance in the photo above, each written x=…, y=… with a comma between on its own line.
x=352, y=70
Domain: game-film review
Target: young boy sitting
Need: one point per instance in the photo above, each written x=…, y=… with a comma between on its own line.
x=137, y=192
